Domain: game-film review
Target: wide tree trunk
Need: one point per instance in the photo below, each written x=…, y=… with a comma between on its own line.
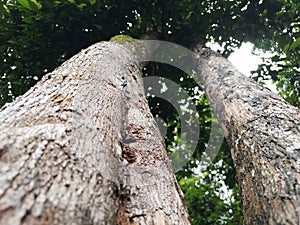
x=81, y=147
x=264, y=134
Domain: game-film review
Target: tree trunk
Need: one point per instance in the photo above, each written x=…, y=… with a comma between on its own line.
x=81, y=147
x=264, y=134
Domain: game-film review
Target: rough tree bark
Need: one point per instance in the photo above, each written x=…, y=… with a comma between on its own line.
x=264, y=134
x=81, y=147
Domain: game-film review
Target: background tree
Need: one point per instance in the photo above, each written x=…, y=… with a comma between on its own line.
x=37, y=36
x=263, y=133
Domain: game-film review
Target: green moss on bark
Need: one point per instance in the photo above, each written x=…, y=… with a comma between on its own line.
x=122, y=39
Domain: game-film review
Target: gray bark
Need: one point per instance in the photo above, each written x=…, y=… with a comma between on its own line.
x=264, y=134
x=81, y=147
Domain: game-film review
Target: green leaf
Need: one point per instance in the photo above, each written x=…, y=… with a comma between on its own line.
x=32, y=5
x=286, y=48
x=93, y=2
x=82, y=5
x=295, y=44
x=6, y=8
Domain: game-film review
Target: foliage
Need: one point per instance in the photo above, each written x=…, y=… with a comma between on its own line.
x=284, y=66
x=209, y=195
x=36, y=36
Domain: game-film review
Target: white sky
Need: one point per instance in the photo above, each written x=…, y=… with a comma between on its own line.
x=245, y=61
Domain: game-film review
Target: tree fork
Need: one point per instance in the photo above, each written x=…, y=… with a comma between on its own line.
x=81, y=146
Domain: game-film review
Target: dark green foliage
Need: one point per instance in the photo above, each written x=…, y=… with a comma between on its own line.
x=36, y=36
x=37, y=40
x=284, y=67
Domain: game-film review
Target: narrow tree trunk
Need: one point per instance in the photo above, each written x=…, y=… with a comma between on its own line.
x=81, y=147
x=264, y=135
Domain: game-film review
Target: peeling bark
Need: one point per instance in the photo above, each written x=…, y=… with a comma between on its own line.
x=264, y=134
x=81, y=147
